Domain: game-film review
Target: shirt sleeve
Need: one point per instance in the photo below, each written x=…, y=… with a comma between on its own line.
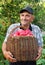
x=9, y=30
x=39, y=37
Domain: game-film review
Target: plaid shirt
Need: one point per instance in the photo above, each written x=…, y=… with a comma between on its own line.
x=35, y=30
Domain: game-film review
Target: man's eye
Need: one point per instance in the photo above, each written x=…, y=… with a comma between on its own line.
x=22, y=15
x=28, y=15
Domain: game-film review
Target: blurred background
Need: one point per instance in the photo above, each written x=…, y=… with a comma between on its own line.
x=9, y=14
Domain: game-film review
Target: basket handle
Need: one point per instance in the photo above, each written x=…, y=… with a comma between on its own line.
x=15, y=29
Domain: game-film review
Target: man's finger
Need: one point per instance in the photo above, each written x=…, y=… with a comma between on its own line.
x=11, y=59
x=10, y=54
x=38, y=56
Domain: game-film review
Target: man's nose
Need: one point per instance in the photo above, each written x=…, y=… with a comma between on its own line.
x=24, y=17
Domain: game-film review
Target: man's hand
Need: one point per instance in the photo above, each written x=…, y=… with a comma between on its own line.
x=39, y=53
x=9, y=56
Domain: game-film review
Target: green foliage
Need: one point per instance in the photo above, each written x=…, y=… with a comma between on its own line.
x=4, y=62
x=9, y=13
x=41, y=61
x=3, y=26
x=39, y=13
x=10, y=9
x=44, y=41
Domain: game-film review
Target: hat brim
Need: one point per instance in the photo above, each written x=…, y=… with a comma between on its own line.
x=23, y=10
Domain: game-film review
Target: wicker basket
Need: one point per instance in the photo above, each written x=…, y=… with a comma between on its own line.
x=23, y=48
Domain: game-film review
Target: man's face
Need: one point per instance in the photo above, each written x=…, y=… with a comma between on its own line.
x=26, y=18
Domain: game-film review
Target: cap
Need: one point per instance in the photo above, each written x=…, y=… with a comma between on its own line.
x=28, y=9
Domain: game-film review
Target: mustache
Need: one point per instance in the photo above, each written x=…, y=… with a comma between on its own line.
x=25, y=20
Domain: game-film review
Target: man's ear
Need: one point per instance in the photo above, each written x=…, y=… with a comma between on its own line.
x=33, y=17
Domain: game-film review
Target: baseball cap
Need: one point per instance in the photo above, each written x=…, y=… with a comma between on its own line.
x=28, y=9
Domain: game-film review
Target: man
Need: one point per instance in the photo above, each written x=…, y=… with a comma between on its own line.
x=26, y=18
